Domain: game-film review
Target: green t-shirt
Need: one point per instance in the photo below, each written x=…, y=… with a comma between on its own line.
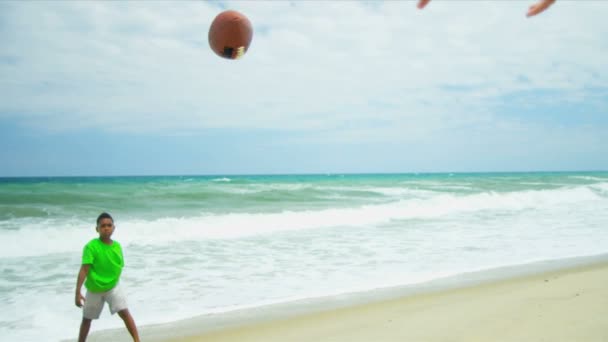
x=106, y=265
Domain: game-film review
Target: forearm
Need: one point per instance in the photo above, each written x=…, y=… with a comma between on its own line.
x=82, y=275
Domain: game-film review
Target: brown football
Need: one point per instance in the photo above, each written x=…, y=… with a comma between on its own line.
x=230, y=34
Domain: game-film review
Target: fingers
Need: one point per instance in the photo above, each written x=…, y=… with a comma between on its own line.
x=539, y=7
x=79, y=301
x=422, y=3
x=535, y=9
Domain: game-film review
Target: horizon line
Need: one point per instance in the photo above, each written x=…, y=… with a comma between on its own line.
x=303, y=174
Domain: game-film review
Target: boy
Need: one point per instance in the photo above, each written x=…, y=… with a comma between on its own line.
x=102, y=263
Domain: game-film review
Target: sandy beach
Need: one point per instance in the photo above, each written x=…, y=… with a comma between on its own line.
x=564, y=305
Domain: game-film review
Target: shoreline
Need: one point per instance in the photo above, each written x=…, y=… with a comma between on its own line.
x=270, y=320
x=564, y=305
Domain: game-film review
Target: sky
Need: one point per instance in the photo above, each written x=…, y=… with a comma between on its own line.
x=132, y=88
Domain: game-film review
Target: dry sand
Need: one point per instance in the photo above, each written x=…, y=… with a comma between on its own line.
x=565, y=305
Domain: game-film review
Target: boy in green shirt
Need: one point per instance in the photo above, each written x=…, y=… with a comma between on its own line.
x=102, y=264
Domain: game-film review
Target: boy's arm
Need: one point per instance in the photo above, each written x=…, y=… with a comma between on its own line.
x=82, y=275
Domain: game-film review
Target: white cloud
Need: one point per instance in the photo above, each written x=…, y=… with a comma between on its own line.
x=330, y=67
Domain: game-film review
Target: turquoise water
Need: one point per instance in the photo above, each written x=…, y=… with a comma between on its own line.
x=170, y=196
x=208, y=244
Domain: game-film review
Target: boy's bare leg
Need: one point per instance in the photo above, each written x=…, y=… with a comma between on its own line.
x=84, y=329
x=129, y=323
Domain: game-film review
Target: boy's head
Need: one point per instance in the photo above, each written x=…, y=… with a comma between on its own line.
x=105, y=225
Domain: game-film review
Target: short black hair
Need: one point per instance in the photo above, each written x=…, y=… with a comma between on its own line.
x=104, y=215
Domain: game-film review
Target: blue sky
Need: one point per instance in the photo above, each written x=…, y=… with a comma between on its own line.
x=132, y=88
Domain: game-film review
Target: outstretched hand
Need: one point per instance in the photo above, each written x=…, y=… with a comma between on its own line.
x=535, y=9
x=422, y=3
x=539, y=7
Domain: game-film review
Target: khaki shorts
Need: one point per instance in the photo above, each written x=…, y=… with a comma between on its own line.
x=94, y=302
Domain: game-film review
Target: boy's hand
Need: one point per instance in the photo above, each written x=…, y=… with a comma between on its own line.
x=423, y=3
x=539, y=7
x=535, y=9
x=79, y=300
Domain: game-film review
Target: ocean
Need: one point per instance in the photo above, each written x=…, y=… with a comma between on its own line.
x=207, y=245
